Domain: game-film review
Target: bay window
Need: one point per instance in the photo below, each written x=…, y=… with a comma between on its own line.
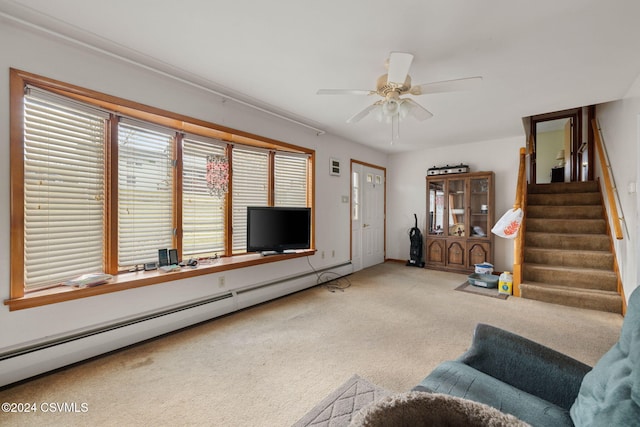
x=99, y=184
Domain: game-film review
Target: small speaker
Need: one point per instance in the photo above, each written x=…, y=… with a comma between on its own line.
x=173, y=256
x=163, y=257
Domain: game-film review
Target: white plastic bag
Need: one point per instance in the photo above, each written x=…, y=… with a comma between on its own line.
x=509, y=225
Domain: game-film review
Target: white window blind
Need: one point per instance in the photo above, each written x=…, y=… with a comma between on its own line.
x=290, y=177
x=203, y=213
x=250, y=188
x=145, y=192
x=64, y=145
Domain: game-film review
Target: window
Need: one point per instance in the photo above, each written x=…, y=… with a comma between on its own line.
x=290, y=174
x=203, y=210
x=355, y=195
x=145, y=192
x=98, y=191
x=63, y=189
x=250, y=183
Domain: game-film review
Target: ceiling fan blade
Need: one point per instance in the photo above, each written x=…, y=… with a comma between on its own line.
x=345, y=92
x=446, y=86
x=399, y=63
x=417, y=110
x=363, y=113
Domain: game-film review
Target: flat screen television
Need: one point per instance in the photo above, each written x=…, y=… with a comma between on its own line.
x=278, y=229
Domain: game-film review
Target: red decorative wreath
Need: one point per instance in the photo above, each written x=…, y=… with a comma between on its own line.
x=217, y=175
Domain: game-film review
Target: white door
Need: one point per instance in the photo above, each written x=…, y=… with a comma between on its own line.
x=367, y=216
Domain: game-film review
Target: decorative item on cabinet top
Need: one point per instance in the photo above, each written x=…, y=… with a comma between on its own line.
x=445, y=170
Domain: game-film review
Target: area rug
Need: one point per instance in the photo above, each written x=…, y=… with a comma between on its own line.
x=339, y=407
x=487, y=292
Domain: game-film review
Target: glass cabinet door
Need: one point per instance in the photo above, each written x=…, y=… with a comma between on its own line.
x=457, y=208
x=479, y=204
x=436, y=208
x=459, y=219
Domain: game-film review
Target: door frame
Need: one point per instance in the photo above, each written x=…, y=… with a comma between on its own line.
x=576, y=157
x=384, y=237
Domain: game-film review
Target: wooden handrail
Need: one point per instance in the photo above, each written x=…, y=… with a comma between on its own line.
x=520, y=203
x=521, y=187
x=607, y=180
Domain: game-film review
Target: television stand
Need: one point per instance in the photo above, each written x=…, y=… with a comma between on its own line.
x=286, y=251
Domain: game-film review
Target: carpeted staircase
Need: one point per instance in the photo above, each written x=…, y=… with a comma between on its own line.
x=567, y=253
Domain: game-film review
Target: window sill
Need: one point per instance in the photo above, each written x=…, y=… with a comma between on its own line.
x=138, y=279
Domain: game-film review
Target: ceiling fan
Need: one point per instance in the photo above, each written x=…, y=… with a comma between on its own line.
x=396, y=83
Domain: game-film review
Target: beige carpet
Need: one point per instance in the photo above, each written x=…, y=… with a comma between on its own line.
x=269, y=365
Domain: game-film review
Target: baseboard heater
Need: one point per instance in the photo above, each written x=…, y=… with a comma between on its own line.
x=26, y=361
x=260, y=292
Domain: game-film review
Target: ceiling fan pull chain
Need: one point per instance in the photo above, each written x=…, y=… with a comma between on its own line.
x=395, y=128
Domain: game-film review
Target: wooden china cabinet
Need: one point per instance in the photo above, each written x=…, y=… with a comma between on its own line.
x=460, y=215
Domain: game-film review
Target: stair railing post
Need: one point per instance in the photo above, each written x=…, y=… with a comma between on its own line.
x=520, y=203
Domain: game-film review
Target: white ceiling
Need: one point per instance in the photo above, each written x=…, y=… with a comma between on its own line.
x=534, y=56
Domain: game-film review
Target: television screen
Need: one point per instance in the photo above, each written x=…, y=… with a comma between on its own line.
x=278, y=229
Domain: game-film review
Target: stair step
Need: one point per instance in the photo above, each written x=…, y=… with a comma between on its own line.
x=576, y=242
x=573, y=297
x=563, y=187
x=564, y=199
x=602, y=260
x=567, y=252
x=577, y=226
x=565, y=212
x=574, y=277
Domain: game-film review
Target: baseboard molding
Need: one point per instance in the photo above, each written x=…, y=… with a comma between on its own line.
x=36, y=358
x=399, y=261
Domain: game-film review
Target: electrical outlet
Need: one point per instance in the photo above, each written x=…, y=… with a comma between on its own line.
x=333, y=253
x=221, y=281
x=322, y=254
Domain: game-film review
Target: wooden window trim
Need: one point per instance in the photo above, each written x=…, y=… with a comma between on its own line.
x=19, y=299
x=228, y=217
x=131, y=280
x=272, y=180
x=177, y=194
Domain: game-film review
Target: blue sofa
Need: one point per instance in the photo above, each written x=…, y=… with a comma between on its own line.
x=543, y=387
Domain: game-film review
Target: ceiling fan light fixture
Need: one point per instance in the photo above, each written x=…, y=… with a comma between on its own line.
x=404, y=110
x=394, y=109
x=390, y=107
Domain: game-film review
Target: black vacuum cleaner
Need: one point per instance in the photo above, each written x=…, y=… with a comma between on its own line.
x=415, y=250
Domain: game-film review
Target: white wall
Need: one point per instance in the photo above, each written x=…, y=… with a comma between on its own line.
x=65, y=61
x=620, y=126
x=406, y=188
x=547, y=146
